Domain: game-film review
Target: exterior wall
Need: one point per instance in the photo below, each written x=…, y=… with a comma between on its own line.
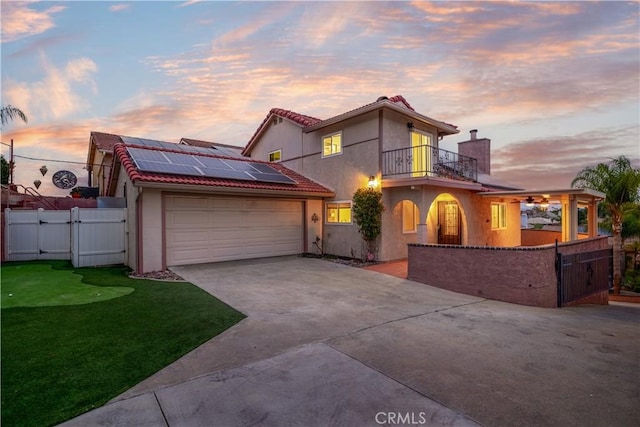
x=313, y=229
x=285, y=136
x=517, y=275
x=343, y=173
x=152, y=231
x=532, y=237
x=397, y=135
x=476, y=219
x=132, y=220
x=102, y=169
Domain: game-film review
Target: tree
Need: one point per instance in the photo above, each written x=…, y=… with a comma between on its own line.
x=9, y=113
x=367, y=213
x=620, y=182
x=4, y=170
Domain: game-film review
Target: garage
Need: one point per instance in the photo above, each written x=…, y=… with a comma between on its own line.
x=201, y=229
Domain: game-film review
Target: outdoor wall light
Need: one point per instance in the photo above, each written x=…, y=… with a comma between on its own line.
x=373, y=182
x=410, y=125
x=43, y=170
x=315, y=217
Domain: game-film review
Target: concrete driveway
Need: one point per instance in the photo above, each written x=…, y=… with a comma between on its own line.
x=329, y=344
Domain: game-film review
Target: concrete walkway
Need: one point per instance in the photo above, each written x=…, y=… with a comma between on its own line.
x=328, y=344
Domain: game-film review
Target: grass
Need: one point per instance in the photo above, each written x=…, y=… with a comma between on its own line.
x=60, y=361
x=22, y=286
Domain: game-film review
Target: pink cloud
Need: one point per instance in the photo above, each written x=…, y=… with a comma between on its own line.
x=19, y=20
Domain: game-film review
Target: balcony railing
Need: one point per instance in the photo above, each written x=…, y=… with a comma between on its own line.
x=426, y=160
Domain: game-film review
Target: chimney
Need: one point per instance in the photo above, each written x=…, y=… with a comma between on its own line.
x=479, y=149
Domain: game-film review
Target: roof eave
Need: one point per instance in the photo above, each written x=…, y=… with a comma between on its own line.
x=209, y=189
x=443, y=128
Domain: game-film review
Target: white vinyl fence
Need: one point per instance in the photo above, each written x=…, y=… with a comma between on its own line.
x=86, y=236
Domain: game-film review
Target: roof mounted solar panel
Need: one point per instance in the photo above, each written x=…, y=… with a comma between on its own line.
x=168, y=168
x=227, y=174
x=148, y=155
x=272, y=177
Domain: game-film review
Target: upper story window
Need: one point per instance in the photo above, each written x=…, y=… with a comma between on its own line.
x=338, y=212
x=332, y=144
x=498, y=216
x=275, y=156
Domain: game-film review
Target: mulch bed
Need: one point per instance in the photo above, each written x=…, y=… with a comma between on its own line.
x=166, y=275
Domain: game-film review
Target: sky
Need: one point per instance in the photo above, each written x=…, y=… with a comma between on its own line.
x=555, y=86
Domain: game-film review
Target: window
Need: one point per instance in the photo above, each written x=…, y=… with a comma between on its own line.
x=421, y=154
x=339, y=213
x=275, y=156
x=498, y=216
x=332, y=144
x=410, y=217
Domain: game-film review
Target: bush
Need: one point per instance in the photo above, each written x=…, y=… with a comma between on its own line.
x=632, y=280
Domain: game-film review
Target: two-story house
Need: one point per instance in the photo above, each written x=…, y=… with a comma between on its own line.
x=290, y=189
x=431, y=195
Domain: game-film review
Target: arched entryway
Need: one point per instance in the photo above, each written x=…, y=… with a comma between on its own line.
x=447, y=221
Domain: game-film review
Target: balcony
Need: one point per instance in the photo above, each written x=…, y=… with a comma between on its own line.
x=426, y=160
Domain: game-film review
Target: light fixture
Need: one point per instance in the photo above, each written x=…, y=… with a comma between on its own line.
x=43, y=170
x=544, y=203
x=410, y=125
x=529, y=202
x=37, y=183
x=373, y=182
x=314, y=217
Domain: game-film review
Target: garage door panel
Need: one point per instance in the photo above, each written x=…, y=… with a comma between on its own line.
x=210, y=229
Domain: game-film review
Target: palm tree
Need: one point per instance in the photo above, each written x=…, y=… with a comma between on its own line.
x=620, y=182
x=9, y=113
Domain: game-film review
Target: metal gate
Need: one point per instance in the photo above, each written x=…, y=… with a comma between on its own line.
x=583, y=274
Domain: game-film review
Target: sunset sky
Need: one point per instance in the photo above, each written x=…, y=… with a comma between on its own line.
x=555, y=86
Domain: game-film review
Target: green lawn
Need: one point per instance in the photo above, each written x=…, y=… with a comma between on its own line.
x=61, y=360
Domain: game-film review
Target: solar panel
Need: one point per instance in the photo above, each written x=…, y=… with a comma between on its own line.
x=148, y=155
x=211, y=162
x=168, y=168
x=193, y=164
x=273, y=177
x=182, y=159
x=227, y=174
x=240, y=165
x=262, y=168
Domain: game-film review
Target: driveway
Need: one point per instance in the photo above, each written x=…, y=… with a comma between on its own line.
x=329, y=344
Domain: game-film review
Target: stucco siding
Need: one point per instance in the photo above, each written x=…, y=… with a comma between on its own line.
x=285, y=136
x=152, y=231
x=132, y=224
x=396, y=134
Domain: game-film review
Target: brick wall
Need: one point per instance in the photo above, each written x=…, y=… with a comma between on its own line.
x=517, y=275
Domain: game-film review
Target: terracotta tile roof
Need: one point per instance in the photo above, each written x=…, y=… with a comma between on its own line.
x=308, y=121
x=400, y=99
x=301, y=119
x=302, y=185
x=105, y=141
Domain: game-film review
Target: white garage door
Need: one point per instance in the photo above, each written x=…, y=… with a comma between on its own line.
x=209, y=229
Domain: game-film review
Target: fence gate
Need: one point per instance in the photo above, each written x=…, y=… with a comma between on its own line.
x=583, y=274
x=31, y=234
x=86, y=236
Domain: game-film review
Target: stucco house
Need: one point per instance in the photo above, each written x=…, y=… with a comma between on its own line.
x=290, y=189
x=431, y=195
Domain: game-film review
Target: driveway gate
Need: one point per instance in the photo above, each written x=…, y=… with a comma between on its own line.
x=583, y=274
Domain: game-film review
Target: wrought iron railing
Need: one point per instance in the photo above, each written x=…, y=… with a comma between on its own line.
x=426, y=160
